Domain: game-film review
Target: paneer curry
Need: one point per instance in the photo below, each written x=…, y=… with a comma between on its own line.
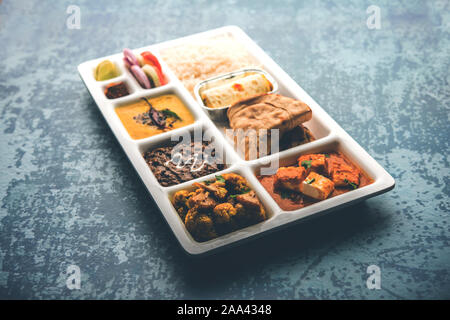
x=214, y=208
x=313, y=178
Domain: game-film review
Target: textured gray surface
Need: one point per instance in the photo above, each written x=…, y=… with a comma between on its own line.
x=68, y=194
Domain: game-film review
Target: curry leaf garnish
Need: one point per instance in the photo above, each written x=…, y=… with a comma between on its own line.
x=171, y=114
x=353, y=185
x=285, y=194
x=310, y=181
x=327, y=155
x=220, y=178
x=306, y=164
x=246, y=190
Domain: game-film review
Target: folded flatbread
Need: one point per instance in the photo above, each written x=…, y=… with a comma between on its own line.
x=232, y=91
x=267, y=111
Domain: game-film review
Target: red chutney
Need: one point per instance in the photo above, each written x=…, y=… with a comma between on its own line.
x=290, y=200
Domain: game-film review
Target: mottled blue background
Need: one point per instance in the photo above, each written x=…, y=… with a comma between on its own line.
x=68, y=194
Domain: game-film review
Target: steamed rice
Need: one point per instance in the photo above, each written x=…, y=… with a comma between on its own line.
x=205, y=58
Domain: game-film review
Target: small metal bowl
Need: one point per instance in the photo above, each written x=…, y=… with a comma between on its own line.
x=220, y=114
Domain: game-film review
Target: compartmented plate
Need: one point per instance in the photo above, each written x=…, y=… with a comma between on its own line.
x=328, y=136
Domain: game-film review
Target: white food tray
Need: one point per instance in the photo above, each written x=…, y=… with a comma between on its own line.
x=329, y=136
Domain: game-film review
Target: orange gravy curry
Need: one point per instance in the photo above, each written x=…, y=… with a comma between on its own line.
x=137, y=120
x=289, y=200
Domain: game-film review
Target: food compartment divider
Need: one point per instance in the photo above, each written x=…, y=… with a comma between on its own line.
x=117, y=63
x=319, y=125
x=131, y=88
x=229, y=156
x=351, y=197
x=272, y=210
